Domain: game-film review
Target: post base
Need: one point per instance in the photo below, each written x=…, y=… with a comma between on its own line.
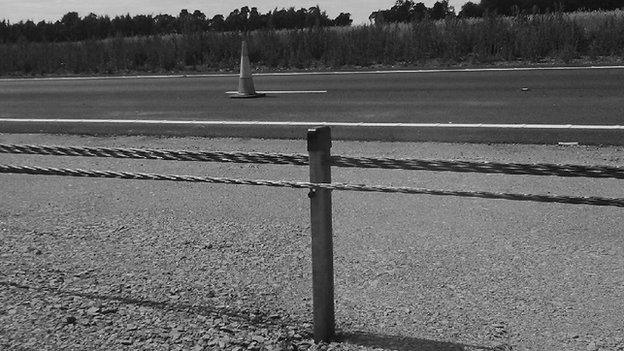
x=247, y=96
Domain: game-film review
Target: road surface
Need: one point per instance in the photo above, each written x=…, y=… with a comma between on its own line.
x=551, y=97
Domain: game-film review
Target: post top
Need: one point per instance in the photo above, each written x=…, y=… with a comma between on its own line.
x=319, y=138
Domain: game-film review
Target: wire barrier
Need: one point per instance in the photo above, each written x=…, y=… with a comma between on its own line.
x=540, y=169
x=302, y=160
x=319, y=160
x=595, y=201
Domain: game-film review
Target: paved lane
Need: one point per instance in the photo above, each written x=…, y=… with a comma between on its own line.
x=554, y=97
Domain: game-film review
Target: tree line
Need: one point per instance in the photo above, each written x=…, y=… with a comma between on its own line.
x=410, y=11
x=513, y=7
x=552, y=37
x=72, y=27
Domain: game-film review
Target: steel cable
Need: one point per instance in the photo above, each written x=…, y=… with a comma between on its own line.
x=542, y=169
x=595, y=201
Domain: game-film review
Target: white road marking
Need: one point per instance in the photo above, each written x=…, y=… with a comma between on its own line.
x=312, y=124
x=450, y=70
x=285, y=92
x=115, y=77
x=231, y=75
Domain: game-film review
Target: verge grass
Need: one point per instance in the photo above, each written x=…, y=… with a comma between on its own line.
x=454, y=41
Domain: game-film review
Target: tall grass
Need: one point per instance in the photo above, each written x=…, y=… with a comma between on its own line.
x=452, y=41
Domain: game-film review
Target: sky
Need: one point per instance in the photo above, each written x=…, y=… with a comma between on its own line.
x=52, y=10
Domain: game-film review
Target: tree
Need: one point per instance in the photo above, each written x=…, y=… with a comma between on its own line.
x=244, y=18
x=343, y=20
x=199, y=21
x=4, y=31
x=315, y=17
x=69, y=26
x=501, y=7
x=256, y=21
x=122, y=26
x=408, y=11
x=419, y=12
x=143, y=25
x=440, y=10
x=185, y=21
x=470, y=10
x=401, y=11
x=104, y=27
x=29, y=31
x=233, y=21
x=164, y=24
x=89, y=27
x=217, y=23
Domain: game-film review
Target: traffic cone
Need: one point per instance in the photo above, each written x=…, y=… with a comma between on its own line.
x=245, y=82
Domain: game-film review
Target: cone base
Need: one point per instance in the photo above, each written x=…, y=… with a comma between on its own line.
x=247, y=96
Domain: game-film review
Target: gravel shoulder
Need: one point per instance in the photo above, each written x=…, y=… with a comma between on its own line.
x=105, y=264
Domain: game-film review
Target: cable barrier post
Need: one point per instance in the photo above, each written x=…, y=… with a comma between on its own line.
x=319, y=144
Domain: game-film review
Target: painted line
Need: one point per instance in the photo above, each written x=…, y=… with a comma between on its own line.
x=215, y=75
x=285, y=92
x=278, y=74
x=450, y=70
x=331, y=124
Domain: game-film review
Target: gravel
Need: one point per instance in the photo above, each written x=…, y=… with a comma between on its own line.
x=104, y=264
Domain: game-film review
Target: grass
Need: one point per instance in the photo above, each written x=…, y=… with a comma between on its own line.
x=556, y=36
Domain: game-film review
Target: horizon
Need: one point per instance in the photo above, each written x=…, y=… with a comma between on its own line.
x=53, y=10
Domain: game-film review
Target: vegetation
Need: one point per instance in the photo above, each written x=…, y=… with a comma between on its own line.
x=71, y=27
x=454, y=40
x=74, y=28
x=410, y=11
x=513, y=7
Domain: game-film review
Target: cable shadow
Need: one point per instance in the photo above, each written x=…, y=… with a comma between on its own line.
x=261, y=318
x=404, y=343
x=254, y=317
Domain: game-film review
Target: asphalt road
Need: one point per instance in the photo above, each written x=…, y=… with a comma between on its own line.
x=553, y=97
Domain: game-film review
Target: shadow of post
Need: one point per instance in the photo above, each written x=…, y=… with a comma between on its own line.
x=390, y=342
x=256, y=318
